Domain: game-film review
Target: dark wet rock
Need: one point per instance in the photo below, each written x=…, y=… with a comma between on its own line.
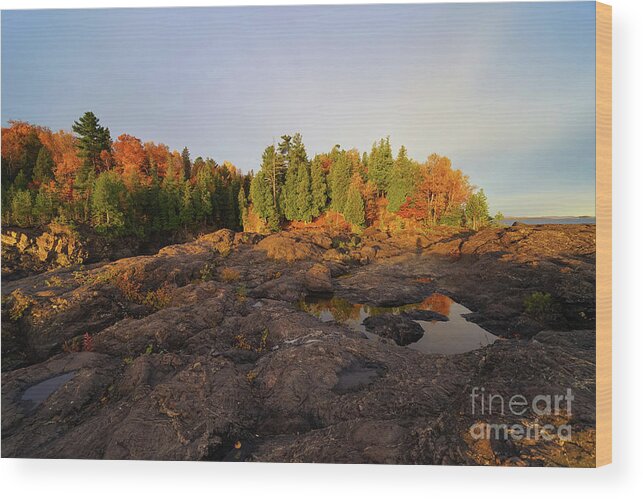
x=23, y=420
x=357, y=377
x=524, y=326
x=400, y=328
x=507, y=368
x=287, y=287
x=570, y=340
x=425, y=315
x=382, y=285
x=361, y=441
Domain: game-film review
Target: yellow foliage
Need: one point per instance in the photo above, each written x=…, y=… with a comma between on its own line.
x=19, y=304
x=230, y=275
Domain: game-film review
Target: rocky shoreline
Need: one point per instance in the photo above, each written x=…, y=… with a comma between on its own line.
x=200, y=352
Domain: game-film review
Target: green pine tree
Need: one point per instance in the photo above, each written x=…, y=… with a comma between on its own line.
x=21, y=181
x=273, y=166
x=93, y=139
x=318, y=187
x=380, y=165
x=187, y=164
x=170, y=198
x=186, y=213
x=403, y=177
x=107, y=203
x=339, y=180
x=477, y=210
x=43, y=171
x=298, y=195
x=262, y=202
x=22, y=208
x=44, y=207
x=354, y=208
x=202, y=195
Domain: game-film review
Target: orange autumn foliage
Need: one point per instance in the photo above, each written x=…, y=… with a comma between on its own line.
x=157, y=155
x=16, y=140
x=439, y=190
x=131, y=160
x=62, y=148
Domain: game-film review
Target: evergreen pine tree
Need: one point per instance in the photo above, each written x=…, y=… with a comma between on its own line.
x=152, y=202
x=273, y=166
x=231, y=213
x=297, y=191
x=199, y=163
x=93, y=139
x=219, y=198
x=339, y=180
x=21, y=208
x=477, y=210
x=43, y=171
x=401, y=182
x=354, y=207
x=380, y=164
x=43, y=207
x=108, y=215
x=203, y=189
x=318, y=187
x=304, y=193
x=170, y=198
x=21, y=181
x=187, y=165
x=262, y=203
x=186, y=213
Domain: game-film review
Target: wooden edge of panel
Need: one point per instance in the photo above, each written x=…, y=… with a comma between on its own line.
x=603, y=234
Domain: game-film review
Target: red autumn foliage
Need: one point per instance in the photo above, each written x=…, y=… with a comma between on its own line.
x=88, y=343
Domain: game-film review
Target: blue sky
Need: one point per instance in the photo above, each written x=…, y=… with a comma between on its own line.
x=505, y=90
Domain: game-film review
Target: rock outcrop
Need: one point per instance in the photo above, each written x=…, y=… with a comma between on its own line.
x=399, y=328
x=200, y=352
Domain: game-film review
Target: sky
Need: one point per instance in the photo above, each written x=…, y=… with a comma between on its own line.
x=506, y=90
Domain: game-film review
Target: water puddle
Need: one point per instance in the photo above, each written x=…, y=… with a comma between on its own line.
x=457, y=335
x=38, y=393
x=356, y=377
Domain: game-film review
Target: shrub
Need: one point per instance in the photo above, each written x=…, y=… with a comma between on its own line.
x=230, y=275
x=251, y=376
x=207, y=272
x=53, y=282
x=539, y=305
x=129, y=286
x=73, y=345
x=242, y=293
x=160, y=298
x=242, y=343
x=19, y=304
x=88, y=342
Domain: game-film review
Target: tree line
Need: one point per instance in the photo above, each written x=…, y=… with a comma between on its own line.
x=290, y=187
x=127, y=187
x=121, y=187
